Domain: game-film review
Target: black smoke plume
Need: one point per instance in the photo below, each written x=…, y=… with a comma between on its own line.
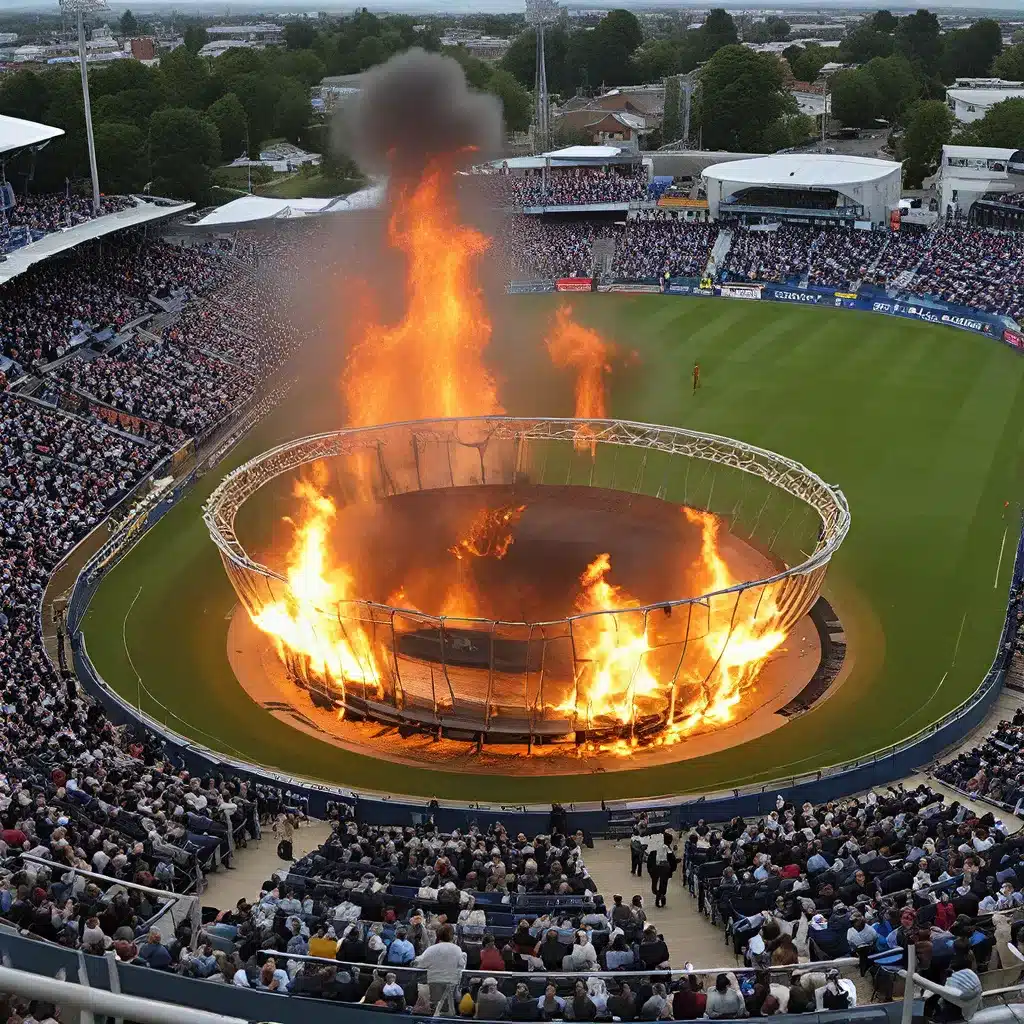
x=415, y=109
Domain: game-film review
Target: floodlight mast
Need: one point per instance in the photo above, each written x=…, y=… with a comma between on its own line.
x=80, y=8
x=539, y=13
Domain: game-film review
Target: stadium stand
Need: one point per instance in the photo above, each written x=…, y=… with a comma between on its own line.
x=31, y=217
x=569, y=186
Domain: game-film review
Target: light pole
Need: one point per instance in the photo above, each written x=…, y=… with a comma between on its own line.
x=80, y=8
x=539, y=13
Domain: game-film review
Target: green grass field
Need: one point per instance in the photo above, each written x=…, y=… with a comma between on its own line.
x=921, y=426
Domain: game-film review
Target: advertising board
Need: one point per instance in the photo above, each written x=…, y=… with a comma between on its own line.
x=639, y=287
x=1013, y=338
x=741, y=291
x=530, y=287
x=574, y=284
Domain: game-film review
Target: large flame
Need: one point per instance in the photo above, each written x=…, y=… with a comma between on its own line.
x=614, y=683
x=306, y=619
x=573, y=346
x=740, y=637
x=430, y=364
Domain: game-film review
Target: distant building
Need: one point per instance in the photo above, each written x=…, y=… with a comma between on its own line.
x=8, y=38
x=480, y=46
x=264, y=32
x=216, y=47
x=143, y=49
x=336, y=89
x=973, y=104
x=967, y=173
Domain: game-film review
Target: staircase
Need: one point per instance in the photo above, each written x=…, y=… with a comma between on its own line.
x=723, y=243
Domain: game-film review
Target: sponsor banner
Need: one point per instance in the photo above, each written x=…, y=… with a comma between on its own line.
x=1013, y=338
x=978, y=322
x=688, y=289
x=682, y=203
x=845, y=295
x=795, y=295
x=740, y=291
x=634, y=286
x=574, y=284
x=530, y=287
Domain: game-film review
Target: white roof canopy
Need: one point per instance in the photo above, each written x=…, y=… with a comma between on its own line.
x=803, y=170
x=256, y=209
x=17, y=134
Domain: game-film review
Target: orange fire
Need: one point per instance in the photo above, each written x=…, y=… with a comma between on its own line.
x=430, y=364
x=615, y=684
x=489, y=536
x=738, y=640
x=306, y=620
x=490, y=533
x=573, y=346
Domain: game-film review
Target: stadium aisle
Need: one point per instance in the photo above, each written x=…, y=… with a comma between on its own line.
x=688, y=935
x=255, y=864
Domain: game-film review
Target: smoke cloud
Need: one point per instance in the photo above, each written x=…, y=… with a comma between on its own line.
x=414, y=109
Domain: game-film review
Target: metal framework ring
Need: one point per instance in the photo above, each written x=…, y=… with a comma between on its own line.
x=528, y=701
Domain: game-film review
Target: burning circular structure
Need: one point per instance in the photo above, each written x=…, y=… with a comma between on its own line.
x=529, y=580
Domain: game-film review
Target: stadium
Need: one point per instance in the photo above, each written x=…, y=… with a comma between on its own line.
x=512, y=523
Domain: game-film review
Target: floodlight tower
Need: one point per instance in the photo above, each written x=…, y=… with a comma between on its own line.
x=80, y=8
x=540, y=13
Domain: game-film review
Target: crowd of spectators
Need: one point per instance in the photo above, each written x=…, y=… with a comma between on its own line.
x=95, y=287
x=864, y=877
x=569, y=186
x=159, y=381
x=994, y=769
x=44, y=214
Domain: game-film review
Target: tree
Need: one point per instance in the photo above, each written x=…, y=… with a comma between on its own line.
x=369, y=52
x=184, y=76
x=1002, y=126
x=516, y=102
x=303, y=65
x=1010, y=63
x=741, y=95
x=855, y=98
x=863, y=44
x=919, y=38
x=292, y=112
x=971, y=51
x=611, y=47
x=121, y=157
x=718, y=30
x=183, y=147
x=129, y=26
x=228, y=117
x=25, y=94
x=789, y=130
x=195, y=37
x=898, y=87
x=884, y=21
x=928, y=128
x=807, y=66
x=773, y=29
x=299, y=35
x=520, y=58
x=1017, y=37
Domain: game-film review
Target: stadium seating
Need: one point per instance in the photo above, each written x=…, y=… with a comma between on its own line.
x=31, y=217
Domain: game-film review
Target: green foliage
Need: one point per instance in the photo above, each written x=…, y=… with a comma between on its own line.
x=865, y=43
x=1002, y=126
x=718, y=30
x=1010, y=63
x=292, y=112
x=742, y=93
x=771, y=30
x=929, y=126
x=789, y=130
x=884, y=21
x=299, y=35
x=184, y=76
x=919, y=39
x=897, y=85
x=971, y=51
x=128, y=24
x=516, y=102
x=121, y=156
x=195, y=37
x=856, y=100
x=228, y=116
x=807, y=64
x=183, y=146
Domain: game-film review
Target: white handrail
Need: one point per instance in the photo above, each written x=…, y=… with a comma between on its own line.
x=95, y=1000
